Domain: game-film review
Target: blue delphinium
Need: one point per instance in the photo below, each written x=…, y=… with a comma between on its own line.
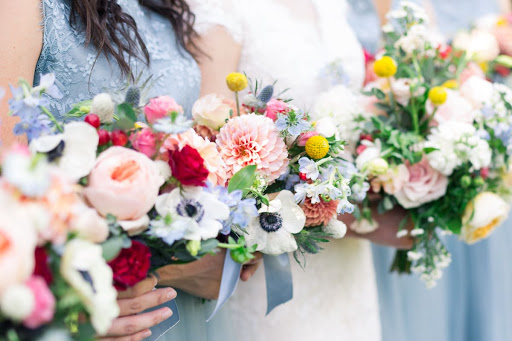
x=241, y=210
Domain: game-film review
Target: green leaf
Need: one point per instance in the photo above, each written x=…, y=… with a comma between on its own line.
x=127, y=117
x=112, y=247
x=505, y=61
x=243, y=179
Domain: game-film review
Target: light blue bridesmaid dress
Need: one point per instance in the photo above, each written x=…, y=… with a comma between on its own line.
x=174, y=72
x=473, y=301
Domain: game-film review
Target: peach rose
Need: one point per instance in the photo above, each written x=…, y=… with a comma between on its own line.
x=456, y=108
x=425, y=184
x=161, y=107
x=123, y=183
x=18, y=240
x=208, y=151
x=392, y=181
x=213, y=111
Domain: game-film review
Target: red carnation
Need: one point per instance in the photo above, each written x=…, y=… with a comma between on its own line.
x=42, y=267
x=188, y=166
x=131, y=265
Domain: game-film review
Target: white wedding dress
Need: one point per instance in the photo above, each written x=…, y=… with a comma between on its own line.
x=291, y=41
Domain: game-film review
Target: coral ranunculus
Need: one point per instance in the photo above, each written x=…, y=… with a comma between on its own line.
x=253, y=140
x=187, y=166
x=131, y=265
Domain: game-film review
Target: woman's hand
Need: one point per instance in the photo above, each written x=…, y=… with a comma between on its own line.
x=130, y=326
x=251, y=266
x=200, y=278
x=388, y=228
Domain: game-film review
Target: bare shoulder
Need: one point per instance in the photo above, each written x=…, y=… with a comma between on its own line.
x=21, y=36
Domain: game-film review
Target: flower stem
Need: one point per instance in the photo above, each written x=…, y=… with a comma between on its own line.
x=237, y=104
x=52, y=118
x=228, y=246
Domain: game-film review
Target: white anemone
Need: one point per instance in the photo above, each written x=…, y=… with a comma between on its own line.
x=273, y=229
x=201, y=211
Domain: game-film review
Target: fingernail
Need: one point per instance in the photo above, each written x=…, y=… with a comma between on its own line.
x=166, y=314
x=147, y=333
x=171, y=294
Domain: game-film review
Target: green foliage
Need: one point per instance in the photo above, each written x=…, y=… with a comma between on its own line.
x=308, y=242
x=243, y=179
x=126, y=117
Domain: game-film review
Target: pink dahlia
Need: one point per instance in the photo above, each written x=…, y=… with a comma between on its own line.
x=253, y=140
x=208, y=151
x=320, y=213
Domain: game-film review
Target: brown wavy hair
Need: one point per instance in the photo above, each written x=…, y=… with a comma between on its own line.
x=115, y=34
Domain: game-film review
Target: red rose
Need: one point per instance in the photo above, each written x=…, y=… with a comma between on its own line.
x=131, y=265
x=42, y=267
x=188, y=166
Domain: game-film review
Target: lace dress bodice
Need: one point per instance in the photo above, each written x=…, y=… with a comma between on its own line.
x=292, y=41
x=80, y=76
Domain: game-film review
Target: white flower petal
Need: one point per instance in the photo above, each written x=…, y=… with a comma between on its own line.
x=255, y=234
x=135, y=227
x=79, y=154
x=293, y=216
x=280, y=242
x=45, y=144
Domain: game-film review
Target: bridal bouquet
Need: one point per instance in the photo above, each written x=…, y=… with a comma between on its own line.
x=288, y=165
x=437, y=144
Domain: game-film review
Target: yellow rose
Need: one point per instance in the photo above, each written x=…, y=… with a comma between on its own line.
x=236, y=81
x=486, y=212
x=437, y=95
x=385, y=67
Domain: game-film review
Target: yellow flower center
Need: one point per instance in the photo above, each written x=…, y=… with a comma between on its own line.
x=385, y=67
x=483, y=232
x=437, y=95
x=451, y=84
x=317, y=147
x=236, y=81
x=484, y=66
x=501, y=22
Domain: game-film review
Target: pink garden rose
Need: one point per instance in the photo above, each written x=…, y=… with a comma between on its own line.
x=44, y=303
x=144, y=141
x=425, y=184
x=274, y=107
x=123, y=183
x=213, y=161
x=160, y=107
x=456, y=108
x=471, y=70
x=304, y=137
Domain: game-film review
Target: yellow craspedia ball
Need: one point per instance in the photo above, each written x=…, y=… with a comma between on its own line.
x=502, y=21
x=236, y=81
x=437, y=95
x=451, y=84
x=317, y=147
x=385, y=67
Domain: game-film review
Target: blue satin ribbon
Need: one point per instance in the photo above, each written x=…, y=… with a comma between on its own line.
x=160, y=329
x=228, y=283
x=278, y=277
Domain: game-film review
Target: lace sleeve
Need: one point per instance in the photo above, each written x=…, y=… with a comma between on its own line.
x=224, y=13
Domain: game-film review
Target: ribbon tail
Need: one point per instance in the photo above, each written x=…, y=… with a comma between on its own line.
x=160, y=329
x=278, y=277
x=228, y=284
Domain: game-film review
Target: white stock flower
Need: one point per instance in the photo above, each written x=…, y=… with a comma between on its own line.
x=272, y=231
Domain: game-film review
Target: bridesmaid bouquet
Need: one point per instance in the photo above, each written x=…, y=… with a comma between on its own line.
x=54, y=274
x=438, y=143
x=287, y=164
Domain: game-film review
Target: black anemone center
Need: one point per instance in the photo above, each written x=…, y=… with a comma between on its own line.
x=87, y=277
x=271, y=222
x=191, y=209
x=56, y=152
